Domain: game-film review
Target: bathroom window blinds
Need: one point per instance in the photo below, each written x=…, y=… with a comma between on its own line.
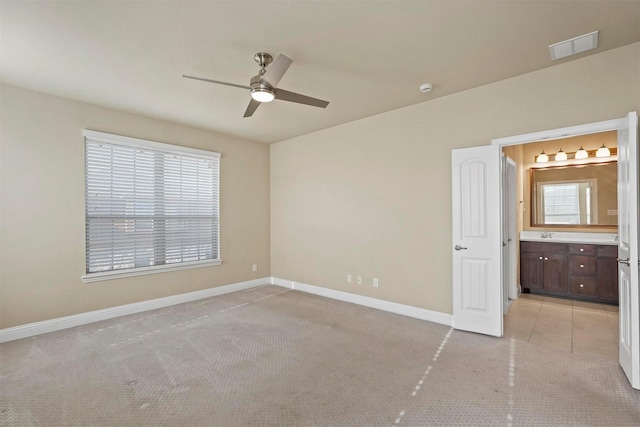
x=149, y=205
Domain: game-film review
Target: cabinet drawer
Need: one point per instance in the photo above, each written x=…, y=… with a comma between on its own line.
x=608, y=251
x=582, y=249
x=582, y=285
x=584, y=265
x=540, y=247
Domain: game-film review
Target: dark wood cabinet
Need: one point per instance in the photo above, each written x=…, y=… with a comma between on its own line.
x=582, y=268
x=607, y=272
x=588, y=272
x=543, y=266
x=531, y=270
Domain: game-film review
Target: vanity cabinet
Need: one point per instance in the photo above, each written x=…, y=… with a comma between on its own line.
x=543, y=266
x=607, y=272
x=581, y=271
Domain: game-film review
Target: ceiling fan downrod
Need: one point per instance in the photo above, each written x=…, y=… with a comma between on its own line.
x=263, y=59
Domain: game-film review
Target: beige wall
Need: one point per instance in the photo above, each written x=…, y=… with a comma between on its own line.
x=369, y=198
x=42, y=216
x=373, y=198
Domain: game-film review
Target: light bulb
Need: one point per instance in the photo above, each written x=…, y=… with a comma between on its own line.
x=581, y=154
x=561, y=156
x=603, y=152
x=542, y=157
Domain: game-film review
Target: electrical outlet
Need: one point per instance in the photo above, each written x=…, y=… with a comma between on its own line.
x=348, y=278
x=359, y=280
x=375, y=282
x=255, y=267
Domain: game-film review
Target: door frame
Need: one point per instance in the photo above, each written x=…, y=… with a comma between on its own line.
x=560, y=133
x=597, y=127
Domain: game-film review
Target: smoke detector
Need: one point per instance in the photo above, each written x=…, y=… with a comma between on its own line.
x=426, y=87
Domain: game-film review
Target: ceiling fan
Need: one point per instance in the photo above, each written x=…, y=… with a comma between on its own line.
x=264, y=88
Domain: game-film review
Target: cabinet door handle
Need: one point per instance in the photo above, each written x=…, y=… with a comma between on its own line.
x=581, y=285
x=581, y=250
x=540, y=258
x=546, y=259
x=581, y=265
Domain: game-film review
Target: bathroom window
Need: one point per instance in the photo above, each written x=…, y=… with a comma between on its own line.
x=567, y=203
x=561, y=203
x=150, y=207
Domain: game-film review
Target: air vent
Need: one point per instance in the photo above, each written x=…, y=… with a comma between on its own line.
x=574, y=46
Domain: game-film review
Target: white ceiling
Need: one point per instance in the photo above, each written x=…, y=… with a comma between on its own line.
x=365, y=57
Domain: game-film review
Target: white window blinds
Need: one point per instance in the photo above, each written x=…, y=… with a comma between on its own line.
x=148, y=204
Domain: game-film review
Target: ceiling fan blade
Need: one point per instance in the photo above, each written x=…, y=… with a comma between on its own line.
x=251, y=108
x=216, y=81
x=285, y=95
x=276, y=70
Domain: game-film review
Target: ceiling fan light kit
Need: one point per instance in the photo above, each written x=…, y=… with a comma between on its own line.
x=260, y=91
x=263, y=87
x=262, y=95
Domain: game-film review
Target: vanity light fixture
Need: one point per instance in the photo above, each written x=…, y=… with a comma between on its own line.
x=542, y=158
x=603, y=152
x=581, y=154
x=561, y=156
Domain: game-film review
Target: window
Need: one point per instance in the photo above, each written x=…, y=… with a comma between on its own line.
x=561, y=204
x=150, y=207
x=567, y=202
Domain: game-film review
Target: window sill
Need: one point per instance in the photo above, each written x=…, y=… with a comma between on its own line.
x=119, y=274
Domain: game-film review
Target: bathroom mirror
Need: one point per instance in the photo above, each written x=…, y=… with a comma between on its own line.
x=575, y=196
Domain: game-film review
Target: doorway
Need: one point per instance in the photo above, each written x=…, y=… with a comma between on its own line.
x=628, y=225
x=568, y=324
x=476, y=234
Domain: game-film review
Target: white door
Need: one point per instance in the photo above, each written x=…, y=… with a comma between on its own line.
x=509, y=231
x=477, y=289
x=629, y=294
x=512, y=214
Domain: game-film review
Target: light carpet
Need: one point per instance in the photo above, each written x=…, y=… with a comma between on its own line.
x=270, y=356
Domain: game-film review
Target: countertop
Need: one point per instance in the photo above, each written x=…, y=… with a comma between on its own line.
x=570, y=237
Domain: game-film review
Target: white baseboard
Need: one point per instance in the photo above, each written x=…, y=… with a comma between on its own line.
x=392, y=307
x=37, y=328
x=52, y=325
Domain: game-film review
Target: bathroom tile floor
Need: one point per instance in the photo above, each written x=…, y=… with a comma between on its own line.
x=567, y=325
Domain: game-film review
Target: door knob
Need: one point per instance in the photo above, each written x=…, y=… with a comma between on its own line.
x=458, y=247
x=624, y=261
